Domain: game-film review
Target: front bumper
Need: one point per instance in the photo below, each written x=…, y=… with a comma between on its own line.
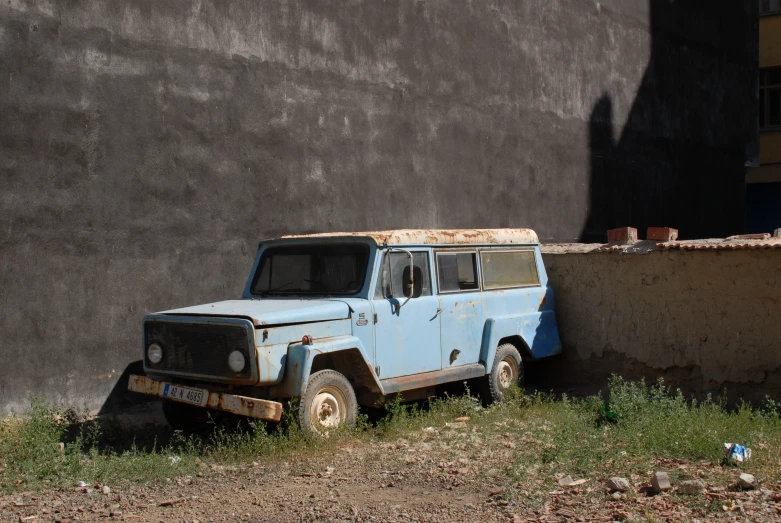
x=241, y=405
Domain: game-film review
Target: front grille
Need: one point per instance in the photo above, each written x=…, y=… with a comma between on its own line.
x=198, y=348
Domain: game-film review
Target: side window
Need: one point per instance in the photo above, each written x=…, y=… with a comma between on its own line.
x=395, y=271
x=509, y=269
x=457, y=271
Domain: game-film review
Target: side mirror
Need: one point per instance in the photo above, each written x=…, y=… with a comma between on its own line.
x=408, y=279
x=413, y=282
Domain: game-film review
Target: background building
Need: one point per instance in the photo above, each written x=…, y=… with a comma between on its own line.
x=763, y=192
x=147, y=146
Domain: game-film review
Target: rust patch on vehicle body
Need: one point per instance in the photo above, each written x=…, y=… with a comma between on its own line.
x=246, y=406
x=143, y=385
x=431, y=379
x=433, y=236
x=241, y=405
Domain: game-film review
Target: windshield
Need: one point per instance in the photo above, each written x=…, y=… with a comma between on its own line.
x=311, y=269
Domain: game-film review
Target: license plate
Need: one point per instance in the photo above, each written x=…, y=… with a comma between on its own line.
x=186, y=394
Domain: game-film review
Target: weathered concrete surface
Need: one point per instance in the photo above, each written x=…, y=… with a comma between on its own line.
x=704, y=321
x=146, y=146
x=668, y=131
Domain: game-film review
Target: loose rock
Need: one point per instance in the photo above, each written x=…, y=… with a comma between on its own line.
x=106, y=490
x=618, y=484
x=566, y=481
x=660, y=482
x=747, y=481
x=692, y=486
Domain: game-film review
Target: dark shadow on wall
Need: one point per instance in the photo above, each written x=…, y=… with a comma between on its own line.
x=120, y=399
x=680, y=159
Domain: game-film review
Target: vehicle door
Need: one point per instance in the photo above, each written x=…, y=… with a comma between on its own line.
x=463, y=307
x=406, y=338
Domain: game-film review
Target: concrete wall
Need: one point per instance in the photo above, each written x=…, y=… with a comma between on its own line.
x=147, y=146
x=705, y=321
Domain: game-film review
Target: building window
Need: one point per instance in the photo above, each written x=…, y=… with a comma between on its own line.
x=769, y=6
x=770, y=97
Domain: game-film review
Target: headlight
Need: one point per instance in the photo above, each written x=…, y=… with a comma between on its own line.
x=155, y=353
x=236, y=361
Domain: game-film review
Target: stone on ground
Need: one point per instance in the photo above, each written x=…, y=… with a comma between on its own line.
x=566, y=481
x=747, y=481
x=660, y=482
x=618, y=484
x=692, y=486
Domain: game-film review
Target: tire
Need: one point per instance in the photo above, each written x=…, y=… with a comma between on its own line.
x=328, y=403
x=506, y=372
x=187, y=418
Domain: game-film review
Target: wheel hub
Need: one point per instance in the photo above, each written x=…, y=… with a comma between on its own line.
x=505, y=374
x=325, y=410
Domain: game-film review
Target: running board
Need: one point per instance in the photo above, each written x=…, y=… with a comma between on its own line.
x=430, y=379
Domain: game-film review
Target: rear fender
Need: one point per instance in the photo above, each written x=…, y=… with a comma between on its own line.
x=538, y=331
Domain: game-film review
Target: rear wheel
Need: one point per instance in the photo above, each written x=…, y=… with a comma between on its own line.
x=507, y=372
x=327, y=404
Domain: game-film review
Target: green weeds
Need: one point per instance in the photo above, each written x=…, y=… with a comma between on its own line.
x=651, y=423
x=550, y=435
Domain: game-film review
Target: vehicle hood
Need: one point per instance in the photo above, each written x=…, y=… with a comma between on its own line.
x=271, y=311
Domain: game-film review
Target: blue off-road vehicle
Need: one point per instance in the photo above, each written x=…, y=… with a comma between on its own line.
x=346, y=319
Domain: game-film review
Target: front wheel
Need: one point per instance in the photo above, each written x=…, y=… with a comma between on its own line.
x=507, y=372
x=327, y=404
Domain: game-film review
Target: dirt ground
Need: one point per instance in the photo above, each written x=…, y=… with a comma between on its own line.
x=437, y=475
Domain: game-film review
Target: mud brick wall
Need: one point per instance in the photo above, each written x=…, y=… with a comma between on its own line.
x=146, y=146
x=706, y=321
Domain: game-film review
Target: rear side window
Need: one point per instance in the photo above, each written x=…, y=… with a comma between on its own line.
x=502, y=269
x=395, y=272
x=457, y=271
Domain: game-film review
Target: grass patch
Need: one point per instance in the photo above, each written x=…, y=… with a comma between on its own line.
x=51, y=446
x=550, y=436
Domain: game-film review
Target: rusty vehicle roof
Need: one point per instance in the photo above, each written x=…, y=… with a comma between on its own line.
x=435, y=236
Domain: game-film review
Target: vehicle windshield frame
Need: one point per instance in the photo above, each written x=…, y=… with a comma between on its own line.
x=323, y=248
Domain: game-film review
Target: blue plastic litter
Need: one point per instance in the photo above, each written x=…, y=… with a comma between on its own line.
x=737, y=452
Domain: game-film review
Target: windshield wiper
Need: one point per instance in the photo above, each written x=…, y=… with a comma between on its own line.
x=263, y=293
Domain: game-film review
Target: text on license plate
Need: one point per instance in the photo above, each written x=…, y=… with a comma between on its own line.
x=185, y=394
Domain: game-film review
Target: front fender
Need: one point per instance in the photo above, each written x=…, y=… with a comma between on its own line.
x=298, y=365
